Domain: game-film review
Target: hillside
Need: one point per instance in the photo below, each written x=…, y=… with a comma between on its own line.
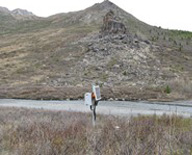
x=59, y=57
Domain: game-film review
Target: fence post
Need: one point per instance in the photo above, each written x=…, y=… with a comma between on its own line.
x=93, y=108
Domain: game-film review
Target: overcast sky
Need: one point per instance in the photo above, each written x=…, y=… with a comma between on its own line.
x=172, y=14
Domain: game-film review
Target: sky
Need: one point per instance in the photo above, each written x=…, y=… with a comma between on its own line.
x=171, y=14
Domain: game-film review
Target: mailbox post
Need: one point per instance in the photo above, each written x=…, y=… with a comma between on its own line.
x=92, y=99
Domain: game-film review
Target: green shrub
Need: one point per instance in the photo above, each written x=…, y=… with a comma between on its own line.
x=167, y=90
x=125, y=73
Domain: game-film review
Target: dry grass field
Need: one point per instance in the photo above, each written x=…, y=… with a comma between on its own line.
x=32, y=132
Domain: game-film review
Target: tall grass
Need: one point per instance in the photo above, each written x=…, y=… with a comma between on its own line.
x=32, y=132
x=181, y=87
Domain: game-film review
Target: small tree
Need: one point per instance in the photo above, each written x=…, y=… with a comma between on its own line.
x=167, y=90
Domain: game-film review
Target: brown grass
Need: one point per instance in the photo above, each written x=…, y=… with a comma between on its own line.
x=181, y=88
x=77, y=92
x=32, y=132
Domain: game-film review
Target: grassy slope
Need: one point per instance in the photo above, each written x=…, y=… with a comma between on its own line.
x=45, y=52
x=32, y=132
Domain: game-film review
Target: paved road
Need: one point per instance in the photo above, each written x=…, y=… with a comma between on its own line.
x=123, y=108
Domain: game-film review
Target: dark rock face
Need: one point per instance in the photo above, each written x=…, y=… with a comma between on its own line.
x=112, y=24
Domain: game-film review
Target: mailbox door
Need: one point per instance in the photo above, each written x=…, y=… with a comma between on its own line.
x=96, y=91
x=88, y=99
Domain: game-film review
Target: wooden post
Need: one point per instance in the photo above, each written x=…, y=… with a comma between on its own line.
x=93, y=115
x=92, y=100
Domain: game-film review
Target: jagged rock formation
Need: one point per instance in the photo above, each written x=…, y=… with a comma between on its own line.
x=120, y=57
x=112, y=24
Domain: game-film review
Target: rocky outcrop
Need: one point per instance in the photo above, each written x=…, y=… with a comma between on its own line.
x=112, y=24
x=116, y=56
x=22, y=12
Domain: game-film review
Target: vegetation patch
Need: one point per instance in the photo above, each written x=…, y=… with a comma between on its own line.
x=181, y=34
x=31, y=132
x=168, y=90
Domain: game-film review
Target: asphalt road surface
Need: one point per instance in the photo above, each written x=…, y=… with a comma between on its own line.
x=121, y=108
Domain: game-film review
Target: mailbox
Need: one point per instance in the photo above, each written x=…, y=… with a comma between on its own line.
x=92, y=99
x=96, y=91
x=88, y=99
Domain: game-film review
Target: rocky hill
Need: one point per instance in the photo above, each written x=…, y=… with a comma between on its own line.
x=17, y=14
x=21, y=12
x=59, y=57
x=4, y=10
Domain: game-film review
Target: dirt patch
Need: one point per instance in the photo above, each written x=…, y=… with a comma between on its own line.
x=75, y=93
